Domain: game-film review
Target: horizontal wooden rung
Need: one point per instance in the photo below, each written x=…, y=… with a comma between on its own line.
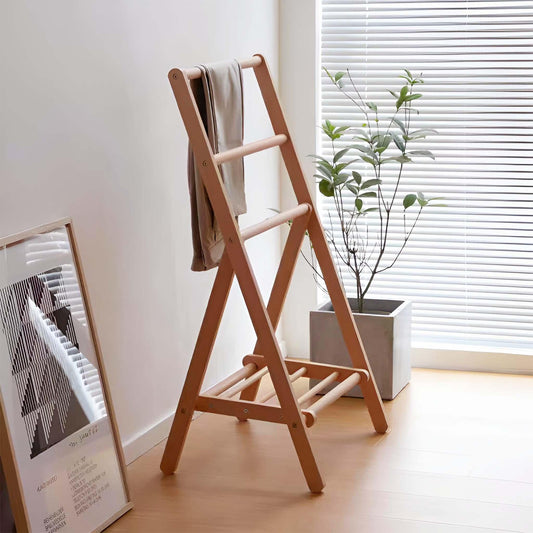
x=252, y=62
x=332, y=396
x=293, y=377
x=314, y=370
x=276, y=220
x=250, y=148
x=320, y=386
x=244, y=372
x=244, y=384
x=239, y=408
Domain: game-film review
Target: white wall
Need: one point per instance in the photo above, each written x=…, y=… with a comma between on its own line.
x=298, y=92
x=90, y=129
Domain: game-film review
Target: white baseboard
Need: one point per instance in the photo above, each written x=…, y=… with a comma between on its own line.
x=504, y=363
x=147, y=439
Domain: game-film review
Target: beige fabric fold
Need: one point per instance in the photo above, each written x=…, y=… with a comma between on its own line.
x=218, y=94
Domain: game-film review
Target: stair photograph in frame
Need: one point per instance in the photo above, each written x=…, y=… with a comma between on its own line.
x=60, y=448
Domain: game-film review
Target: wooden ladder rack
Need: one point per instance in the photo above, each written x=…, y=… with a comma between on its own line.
x=296, y=413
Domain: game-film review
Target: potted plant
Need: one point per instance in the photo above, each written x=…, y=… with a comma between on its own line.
x=367, y=202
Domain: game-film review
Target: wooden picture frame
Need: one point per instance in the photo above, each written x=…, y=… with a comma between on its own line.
x=59, y=444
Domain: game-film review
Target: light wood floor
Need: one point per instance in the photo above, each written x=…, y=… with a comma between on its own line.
x=458, y=458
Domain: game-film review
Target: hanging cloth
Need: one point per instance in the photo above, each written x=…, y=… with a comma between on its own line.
x=219, y=97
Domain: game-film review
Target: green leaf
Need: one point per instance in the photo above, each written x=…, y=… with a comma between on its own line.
x=369, y=160
x=370, y=183
x=368, y=151
x=365, y=149
x=437, y=198
x=393, y=93
x=329, y=75
x=339, y=76
x=402, y=97
x=425, y=130
x=357, y=177
x=320, y=158
x=370, y=209
x=372, y=106
x=400, y=124
x=339, y=180
x=339, y=154
x=359, y=147
x=422, y=199
x=409, y=200
x=399, y=159
x=383, y=140
x=411, y=97
x=341, y=129
x=421, y=134
x=326, y=188
x=353, y=189
x=425, y=153
x=328, y=130
x=340, y=167
x=358, y=204
x=368, y=194
x=398, y=142
x=325, y=168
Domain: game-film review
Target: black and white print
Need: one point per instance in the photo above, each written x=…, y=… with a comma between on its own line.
x=59, y=390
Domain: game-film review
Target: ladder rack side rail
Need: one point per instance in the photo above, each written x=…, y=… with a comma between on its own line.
x=281, y=285
x=248, y=284
x=320, y=246
x=197, y=367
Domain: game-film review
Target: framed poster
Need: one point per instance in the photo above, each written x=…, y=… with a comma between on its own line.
x=59, y=445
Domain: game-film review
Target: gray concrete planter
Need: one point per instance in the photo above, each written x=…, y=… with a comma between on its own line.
x=385, y=329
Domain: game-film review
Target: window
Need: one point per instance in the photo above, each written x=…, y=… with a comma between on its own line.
x=469, y=266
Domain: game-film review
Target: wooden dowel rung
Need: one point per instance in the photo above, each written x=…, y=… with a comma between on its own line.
x=276, y=220
x=293, y=377
x=250, y=148
x=225, y=384
x=252, y=62
x=321, y=385
x=244, y=384
x=330, y=397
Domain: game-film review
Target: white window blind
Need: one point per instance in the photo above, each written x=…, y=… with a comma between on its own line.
x=469, y=266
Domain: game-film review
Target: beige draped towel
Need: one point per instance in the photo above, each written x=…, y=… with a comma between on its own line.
x=218, y=94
